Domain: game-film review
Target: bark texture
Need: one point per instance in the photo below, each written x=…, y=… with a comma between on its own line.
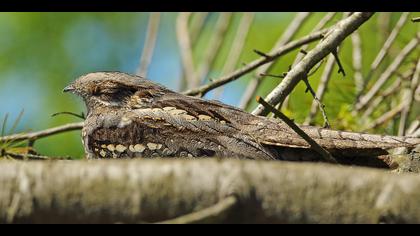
x=148, y=191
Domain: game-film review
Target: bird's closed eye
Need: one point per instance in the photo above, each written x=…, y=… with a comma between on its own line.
x=97, y=91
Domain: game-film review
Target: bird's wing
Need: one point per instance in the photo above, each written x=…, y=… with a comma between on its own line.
x=276, y=132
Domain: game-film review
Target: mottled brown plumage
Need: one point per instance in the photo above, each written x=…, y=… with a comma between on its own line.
x=129, y=116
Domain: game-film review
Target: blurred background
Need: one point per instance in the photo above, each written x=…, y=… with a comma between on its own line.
x=42, y=52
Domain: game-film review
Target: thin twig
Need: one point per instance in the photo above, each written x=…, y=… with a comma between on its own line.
x=288, y=34
x=318, y=101
x=384, y=50
x=357, y=61
x=28, y=156
x=185, y=51
x=81, y=116
x=408, y=98
x=337, y=34
x=214, y=45
x=274, y=76
x=415, y=19
x=392, y=68
x=262, y=54
x=314, y=145
x=256, y=63
x=322, y=88
x=337, y=59
x=149, y=44
x=212, y=214
x=43, y=133
x=237, y=47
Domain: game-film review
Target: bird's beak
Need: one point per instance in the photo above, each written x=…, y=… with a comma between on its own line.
x=69, y=88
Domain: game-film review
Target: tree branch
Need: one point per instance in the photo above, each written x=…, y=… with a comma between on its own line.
x=256, y=63
x=322, y=88
x=237, y=46
x=408, y=98
x=133, y=191
x=185, y=50
x=43, y=133
x=149, y=44
x=288, y=34
x=314, y=145
x=214, y=45
x=321, y=24
x=337, y=34
x=357, y=61
x=387, y=45
x=392, y=68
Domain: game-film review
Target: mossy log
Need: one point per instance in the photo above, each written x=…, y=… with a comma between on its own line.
x=203, y=191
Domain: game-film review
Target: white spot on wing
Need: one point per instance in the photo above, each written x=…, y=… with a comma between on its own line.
x=204, y=117
x=153, y=146
x=139, y=147
x=120, y=148
x=111, y=147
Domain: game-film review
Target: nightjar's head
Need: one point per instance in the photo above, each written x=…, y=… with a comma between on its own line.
x=111, y=89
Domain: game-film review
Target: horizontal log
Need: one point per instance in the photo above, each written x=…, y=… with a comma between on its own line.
x=203, y=191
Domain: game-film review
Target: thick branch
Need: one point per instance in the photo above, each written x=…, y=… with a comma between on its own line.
x=321, y=24
x=135, y=191
x=337, y=34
